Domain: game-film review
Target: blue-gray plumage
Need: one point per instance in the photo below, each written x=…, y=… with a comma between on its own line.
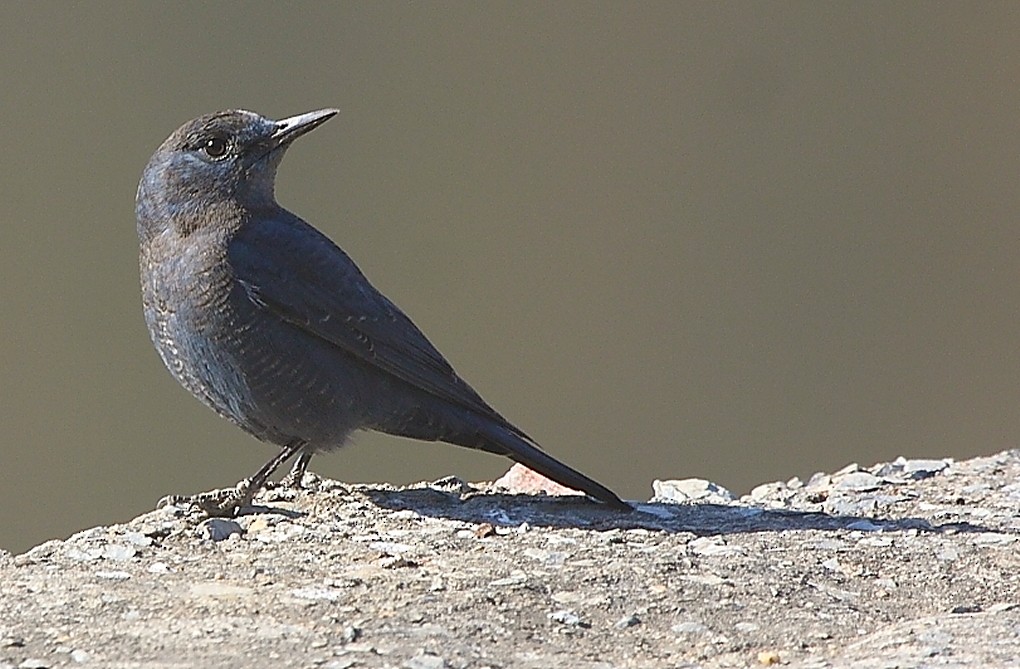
x=274, y=327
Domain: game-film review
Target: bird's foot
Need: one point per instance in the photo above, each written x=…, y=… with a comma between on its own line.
x=229, y=501
x=292, y=481
x=219, y=503
x=296, y=475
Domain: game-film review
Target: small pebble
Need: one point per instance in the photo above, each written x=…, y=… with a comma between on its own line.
x=485, y=530
x=948, y=554
x=258, y=524
x=689, y=628
x=426, y=661
x=551, y=558
x=350, y=634
x=390, y=547
x=819, y=480
x=218, y=529
x=679, y=491
x=920, y=469
x=35, y=663
x=138, y=539
x=851, y=468
x=966, y=608
x=710, y=547
x=566, y=617
x=832, y=564
x=118, y=552
x=842, y=505
x=776, y=492
x=993, y=539
x=913, y=470
x=395, y=562
x=341, y=663
x=860, y=482
x=84, y=556
x=627, y=621
x=515, y=578
x=80, y=656
x=567, y=597
x=875, y=541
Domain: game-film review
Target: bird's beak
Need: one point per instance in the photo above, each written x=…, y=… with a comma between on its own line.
x=291, y=128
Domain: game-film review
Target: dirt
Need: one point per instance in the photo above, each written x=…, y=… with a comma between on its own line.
x=905, y=564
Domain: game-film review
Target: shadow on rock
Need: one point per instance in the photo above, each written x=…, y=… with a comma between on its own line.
x=705, y=519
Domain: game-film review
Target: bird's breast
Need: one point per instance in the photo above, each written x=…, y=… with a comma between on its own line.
x=193, y=321
x=259, y=371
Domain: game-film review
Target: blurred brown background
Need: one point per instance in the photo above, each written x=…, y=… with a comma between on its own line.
x=738, y=241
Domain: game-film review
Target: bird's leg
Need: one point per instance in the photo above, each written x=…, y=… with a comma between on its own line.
x=228, y=502
x=297, y=472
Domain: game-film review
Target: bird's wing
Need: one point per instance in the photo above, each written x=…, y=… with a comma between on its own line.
x=290, y=269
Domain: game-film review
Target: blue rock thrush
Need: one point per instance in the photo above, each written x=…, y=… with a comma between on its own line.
x=274, y=327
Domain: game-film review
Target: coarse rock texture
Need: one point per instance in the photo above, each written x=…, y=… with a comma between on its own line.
x=913, y=563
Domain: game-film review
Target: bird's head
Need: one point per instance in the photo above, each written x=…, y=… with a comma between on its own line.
x=228, y=158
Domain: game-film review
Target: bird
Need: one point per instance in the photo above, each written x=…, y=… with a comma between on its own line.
x=270, y=324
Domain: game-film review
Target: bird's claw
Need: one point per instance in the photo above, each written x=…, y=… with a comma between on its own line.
x=218, y=503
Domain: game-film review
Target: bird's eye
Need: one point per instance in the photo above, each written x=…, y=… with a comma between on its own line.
x=215, y=147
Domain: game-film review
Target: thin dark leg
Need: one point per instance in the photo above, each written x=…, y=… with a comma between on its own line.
x=297, y=472
x=227, y=502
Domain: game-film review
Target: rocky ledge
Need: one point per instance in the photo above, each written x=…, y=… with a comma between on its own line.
x=913, y=563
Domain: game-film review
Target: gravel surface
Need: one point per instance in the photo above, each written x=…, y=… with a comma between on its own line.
x=912, y=563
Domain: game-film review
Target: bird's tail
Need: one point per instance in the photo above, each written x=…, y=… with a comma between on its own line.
x=519, y=448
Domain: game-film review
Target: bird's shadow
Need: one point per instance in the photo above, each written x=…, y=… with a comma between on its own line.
x=453, y=499
x=700, y=519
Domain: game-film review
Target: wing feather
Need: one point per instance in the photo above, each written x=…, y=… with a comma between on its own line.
x=325, y=294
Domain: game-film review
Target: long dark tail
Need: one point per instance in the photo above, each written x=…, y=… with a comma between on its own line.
x=518, y=448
